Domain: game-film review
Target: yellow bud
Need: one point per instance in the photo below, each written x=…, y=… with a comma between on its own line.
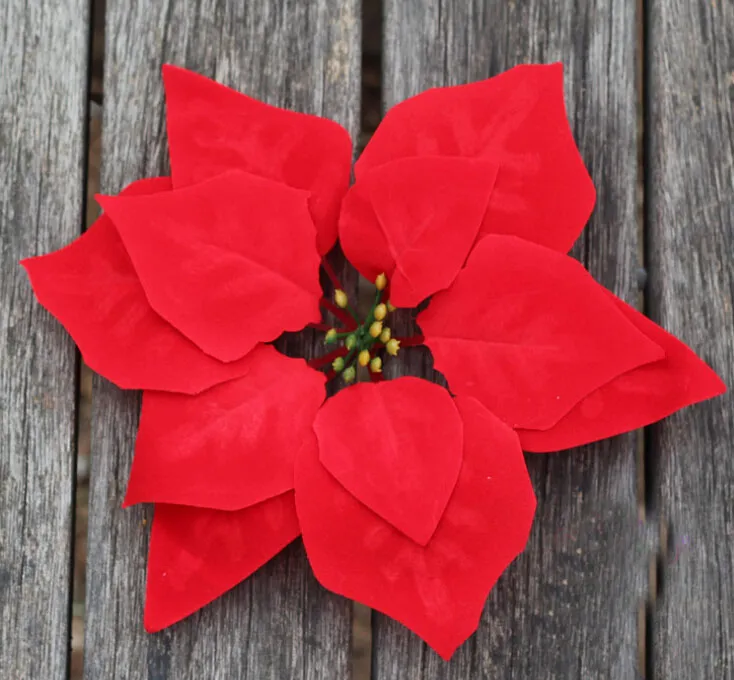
x=380, y=311
x=349, y=374
x=351, y=341
x=385, y=335
x=330, y=336
x=376, y=329
x=381, y=281
x=376, y=365
x=390, y=307
x=364, y=357
x=393, y=346
x=340, y=297
x=338, y=364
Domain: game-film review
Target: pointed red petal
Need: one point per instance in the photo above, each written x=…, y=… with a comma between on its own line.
x=91, y=287
x=231, y=446
x=197, y=554
x=212, y=128
x=415, y=219
x=634, y=399
x=230, y=262
x=528, y=332
x=396, y=446
x=437, y=591
x=518, y=119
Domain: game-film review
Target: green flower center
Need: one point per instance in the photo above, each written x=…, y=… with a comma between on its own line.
x=369, y=342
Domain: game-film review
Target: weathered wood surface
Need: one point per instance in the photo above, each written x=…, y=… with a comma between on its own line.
x=690, y=243
x=43, y=80
x=280, y=623
x=567, y=608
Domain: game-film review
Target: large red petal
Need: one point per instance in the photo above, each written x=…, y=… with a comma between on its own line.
x=396, y=446
x=634, y=399
x=212, y=128
x=231, y=446
x=415, y=219
x=518, y=119
x=197, y=554
x=528, y=332
x=230, y=262
x=437, y=590
x=91, y=287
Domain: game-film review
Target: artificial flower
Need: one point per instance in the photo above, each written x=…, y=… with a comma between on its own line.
x=410, y=498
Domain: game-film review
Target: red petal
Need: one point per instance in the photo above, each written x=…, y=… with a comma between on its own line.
x=396, y=446
x=415, y=219
x=529, y=333
x=518, y=119
x=230, y=262
x=231, y=446
x=198, y=554
x=437, y=591
x=212, y=128
x=90, y=286
x=634, y=399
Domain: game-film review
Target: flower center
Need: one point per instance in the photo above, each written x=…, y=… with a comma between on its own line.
x=364, y=343
x=367, y=342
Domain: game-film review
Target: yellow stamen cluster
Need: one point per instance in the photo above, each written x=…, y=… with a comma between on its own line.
x=370, y=336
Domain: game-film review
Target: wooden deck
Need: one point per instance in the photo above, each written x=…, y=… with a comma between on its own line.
x=629, y=572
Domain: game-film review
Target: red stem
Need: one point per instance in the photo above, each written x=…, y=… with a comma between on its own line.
x=412, y=341
x=331, y=274
x=320, y=362
x=340, y=314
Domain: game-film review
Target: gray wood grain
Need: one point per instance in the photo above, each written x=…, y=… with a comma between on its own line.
x=279, y=623
x=690, y=191
x=567, y=608
x=43, y=80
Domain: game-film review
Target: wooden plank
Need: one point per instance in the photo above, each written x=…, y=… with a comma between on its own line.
x=43, y=84
x=690, y=52
x=279, y=623
x=568, y=606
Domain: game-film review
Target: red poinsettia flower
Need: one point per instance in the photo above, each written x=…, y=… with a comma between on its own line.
x=410, y=498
